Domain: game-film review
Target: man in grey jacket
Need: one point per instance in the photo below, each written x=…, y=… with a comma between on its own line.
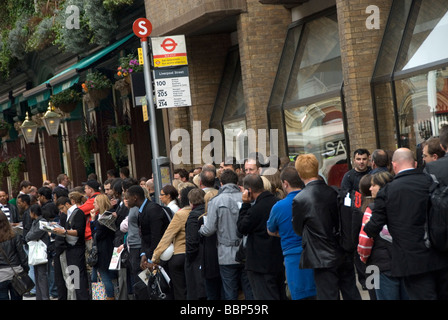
x=221, y=219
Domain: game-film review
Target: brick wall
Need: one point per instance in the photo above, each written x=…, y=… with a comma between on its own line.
x=359, y=49
x=206, y=59
x=261, y=36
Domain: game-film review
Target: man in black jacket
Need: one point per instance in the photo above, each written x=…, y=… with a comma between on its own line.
x=402, y=204
x=315, y=219
x=440, y=167
x=152, y=222
x=264, y=256
x=74, y=223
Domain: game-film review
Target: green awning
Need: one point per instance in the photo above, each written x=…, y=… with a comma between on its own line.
x=5, y=105
x=70, y=76
x=40, y=94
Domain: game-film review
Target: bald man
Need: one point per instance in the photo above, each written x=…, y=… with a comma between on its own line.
x=402, y=204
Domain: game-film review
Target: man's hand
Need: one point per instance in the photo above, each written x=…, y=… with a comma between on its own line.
x=246, y=196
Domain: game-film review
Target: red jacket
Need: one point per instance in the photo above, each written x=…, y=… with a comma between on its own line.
x=87, y=207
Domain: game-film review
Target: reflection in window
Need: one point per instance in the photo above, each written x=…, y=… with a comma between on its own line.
x=422, y=106
x=317, y=128
x=318, y=68
x=235, y=139
x=425, y=40
x=410, y=81
x=309, y=118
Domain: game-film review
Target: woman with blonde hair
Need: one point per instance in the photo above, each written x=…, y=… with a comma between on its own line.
x=103, y=235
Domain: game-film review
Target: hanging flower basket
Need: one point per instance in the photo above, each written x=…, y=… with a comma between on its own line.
x=4, y=128
x=123, y=86
x=93, y=97
x=67, y=107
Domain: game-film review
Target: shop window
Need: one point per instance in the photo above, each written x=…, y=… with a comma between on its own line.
x=306, y=105
x=229, y=112
x=410, y=83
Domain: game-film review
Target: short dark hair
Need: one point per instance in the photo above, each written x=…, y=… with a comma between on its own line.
x=196, y=196
x=254, y=182
x=171, y=191
x=443, y=136
x=24, y=198
x=46, y=192
x=24, y=183
x=60, y=192
x=228, y=176
x=125, y=171
x=137, y=191
x=291, y=175
x=36, y=209
x=361, y=151
x=434, y=147
x=62, y=201
x=182, y=173
x=184, y=196
x=232, y=161
x=380, y=157
x=128, y=182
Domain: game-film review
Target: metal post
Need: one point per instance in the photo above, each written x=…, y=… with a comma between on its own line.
x=152, y=117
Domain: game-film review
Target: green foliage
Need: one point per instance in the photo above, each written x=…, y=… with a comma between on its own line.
x=117, y=143
x=15, y=165
x=65, y=97
x=5, y=125
x=113, y=5
x=96, y=80
x=84, y=142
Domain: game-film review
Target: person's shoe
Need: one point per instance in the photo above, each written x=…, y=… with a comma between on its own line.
x=29, y=295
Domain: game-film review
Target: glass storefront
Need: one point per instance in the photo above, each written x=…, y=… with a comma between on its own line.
x=306, y=105
x=410, y=83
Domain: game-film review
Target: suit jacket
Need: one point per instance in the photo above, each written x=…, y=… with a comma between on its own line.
x=402, y=204
x=263, y=252
x=315, y=219
x=439, y=168
x=153, y=223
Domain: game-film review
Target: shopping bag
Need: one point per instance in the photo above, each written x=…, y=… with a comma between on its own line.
x=98, y=291
x=37, y=253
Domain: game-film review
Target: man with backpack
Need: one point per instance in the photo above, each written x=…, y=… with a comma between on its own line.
x=403, y=205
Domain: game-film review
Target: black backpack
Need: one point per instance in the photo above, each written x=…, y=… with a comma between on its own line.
x=438, y=215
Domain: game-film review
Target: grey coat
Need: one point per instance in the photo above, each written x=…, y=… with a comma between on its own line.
x=222, y=215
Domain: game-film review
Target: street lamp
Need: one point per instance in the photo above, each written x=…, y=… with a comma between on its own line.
x=51, y=120
x=29, y=129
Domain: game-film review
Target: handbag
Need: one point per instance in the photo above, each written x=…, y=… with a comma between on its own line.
x=21, y=282
x=37, y=253
x=92, y=258
x=158, y=287
x=98, y=291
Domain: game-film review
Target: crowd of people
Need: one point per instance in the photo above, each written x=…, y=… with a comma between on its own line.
x=236, y=231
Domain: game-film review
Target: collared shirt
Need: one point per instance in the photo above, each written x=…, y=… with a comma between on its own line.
x=70, y=211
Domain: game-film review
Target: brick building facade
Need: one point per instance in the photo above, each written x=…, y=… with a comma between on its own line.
x=360, y=109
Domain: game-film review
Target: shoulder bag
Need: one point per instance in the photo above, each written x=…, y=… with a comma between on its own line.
x=21, y=282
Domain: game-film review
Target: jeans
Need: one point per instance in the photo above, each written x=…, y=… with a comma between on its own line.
x=7, y=292
x=231, y=276
x=391, y=288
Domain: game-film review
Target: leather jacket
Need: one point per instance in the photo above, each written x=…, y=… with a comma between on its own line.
x=315, y=219
x=13, y=249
